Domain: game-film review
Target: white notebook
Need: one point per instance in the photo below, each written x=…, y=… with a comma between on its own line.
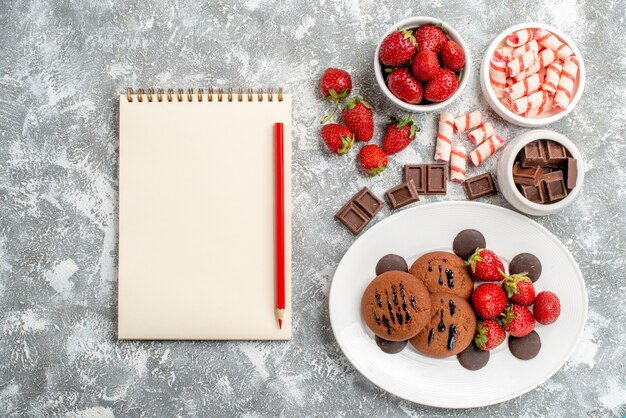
x=197, y=215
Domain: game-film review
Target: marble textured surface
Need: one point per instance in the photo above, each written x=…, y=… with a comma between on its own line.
x=62, y=66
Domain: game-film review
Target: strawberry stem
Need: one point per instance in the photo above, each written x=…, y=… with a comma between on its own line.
x=329, y=117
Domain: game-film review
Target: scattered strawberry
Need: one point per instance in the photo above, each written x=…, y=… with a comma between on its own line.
x=358, y=117
x=397, y=48
x=547, y=307
x=485, y=265
x=402, y=84
x=489, y=334
x=452, y=56
x=399, y=135
x=488, y=300
x=430, y=37
x=442, y=86
x=519, y=288
x=338, y=138
x=372, y=159
x=425, y=65
x=517, y=320
x=336, y=85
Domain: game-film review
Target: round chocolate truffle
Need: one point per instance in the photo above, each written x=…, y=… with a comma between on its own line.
x=391, y=262
x=390, y=347
x=473, y=358
x=467, y=241
x=525, y=348
x=528, y=263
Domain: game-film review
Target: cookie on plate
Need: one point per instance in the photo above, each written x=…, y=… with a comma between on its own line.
x=451, y=328
x=442, y=271
x=395, y=306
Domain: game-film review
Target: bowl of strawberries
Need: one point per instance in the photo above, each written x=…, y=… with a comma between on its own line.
x=422, y=64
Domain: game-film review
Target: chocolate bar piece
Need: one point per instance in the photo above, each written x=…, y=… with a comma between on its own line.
x=359, y=210
x=530, y=176
x=533, y=154
x=402, y=195
x=479, y=186
x=555, y=153
x=572, y=172
x=428, y=178
x=436, y=179
x=555, y=186
x=417, y=173
x=535, y=194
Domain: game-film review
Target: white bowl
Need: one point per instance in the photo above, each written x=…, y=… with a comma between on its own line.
x=548, y=117
x=414, y=22
x=505, y=173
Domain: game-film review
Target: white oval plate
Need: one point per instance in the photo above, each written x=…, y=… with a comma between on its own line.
x=443, y=382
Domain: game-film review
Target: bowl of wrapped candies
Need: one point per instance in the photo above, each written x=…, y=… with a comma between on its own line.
x=422, y=64
x=532, y=75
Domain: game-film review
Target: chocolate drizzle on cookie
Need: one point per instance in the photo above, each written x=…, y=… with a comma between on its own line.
x=430, y=265
x=450, y=277
x=431, y=335
x=389, y=308
x=413, y=302
x=441, y=327
x=440, y=278
x=451, y=337
x=379, y=300
x=406, y=310
x=394, y=295
x=387, y=325
x=452, y=307
x=376, y=317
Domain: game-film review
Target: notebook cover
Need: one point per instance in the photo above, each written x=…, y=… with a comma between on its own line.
x=196, y=220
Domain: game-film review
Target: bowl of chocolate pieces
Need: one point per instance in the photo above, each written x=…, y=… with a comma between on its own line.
x=540, y=172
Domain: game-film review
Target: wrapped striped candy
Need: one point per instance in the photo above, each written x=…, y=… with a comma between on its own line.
x=544, y=58
x=553, y=73
x=519, y=38
x=548, y=40
x=444, y=137
x=530, y=46
x=532, y=101
x=457, y=164
x=467, y=122
x=521, y=63
x=546, y=107
x=523, y=88
x=497, y=76
x=478, y=135
x=486, y=149
x=566, y=83
x=505, y=53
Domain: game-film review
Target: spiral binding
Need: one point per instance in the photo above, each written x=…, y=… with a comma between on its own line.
x=211, y=94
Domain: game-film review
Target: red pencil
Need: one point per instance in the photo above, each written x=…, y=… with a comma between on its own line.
x=279, y=187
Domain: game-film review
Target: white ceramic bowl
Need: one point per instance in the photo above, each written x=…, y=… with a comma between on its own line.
x=414, y=22
x=505, y=173
x=548, y=117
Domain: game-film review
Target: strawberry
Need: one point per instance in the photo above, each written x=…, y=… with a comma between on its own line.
x=452, y=56
x=399, y=135
x=338, y=138
x=442, y=86
x=425, y=65
x=402, y=84
x=430, y=37
x=489, y=334
x=517, y=320
x=397, y=48
x=485, y=265
x=547, y=307
x=358, y=117
x=336, y=85
x=519, y=288
x=372, y=159
x=488, y=300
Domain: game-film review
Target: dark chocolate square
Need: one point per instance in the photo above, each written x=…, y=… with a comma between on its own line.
x=535, y=194
x=479, y=186
x=555, y=188
x=533, y=154
x=529, y=176
x=571, y=170
x=368, y=202
x=353, y=218
x=402, y=195
x=556, y=155
x=436, y=179
x=417, y=173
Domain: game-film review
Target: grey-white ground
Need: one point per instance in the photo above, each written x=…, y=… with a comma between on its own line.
x=62, y=65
